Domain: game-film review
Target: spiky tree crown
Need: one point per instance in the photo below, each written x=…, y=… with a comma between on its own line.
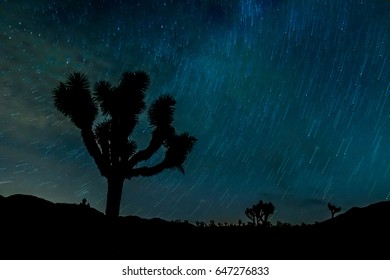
x=108, y=142
x=73, y=99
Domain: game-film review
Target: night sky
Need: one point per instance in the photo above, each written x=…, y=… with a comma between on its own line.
x=289, y=101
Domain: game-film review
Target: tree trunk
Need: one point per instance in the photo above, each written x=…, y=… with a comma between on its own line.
x=114, y=194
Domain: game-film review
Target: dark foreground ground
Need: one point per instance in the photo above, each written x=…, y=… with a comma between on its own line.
x=33, y=228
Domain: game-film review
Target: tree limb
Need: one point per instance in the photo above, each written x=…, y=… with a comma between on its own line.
x=158, y=137
x=147, y=171
x=94, y=150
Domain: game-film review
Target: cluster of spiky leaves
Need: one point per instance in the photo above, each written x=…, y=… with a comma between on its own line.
x=123, y=102
x=73, y=99
x=122, y=105
x=161, y=112
x=178, y=148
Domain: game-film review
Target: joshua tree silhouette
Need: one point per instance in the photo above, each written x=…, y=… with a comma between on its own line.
x=250, y=213
x=84, y=203
x=333, y=209
x=109, y=142
x=260, y=212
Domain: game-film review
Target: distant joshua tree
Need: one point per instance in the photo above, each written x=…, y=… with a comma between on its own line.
x=280, y=224
x=200, y=224
x=333, y=209
x=250, y=213
x=84, y=203
x=259, y=213
x=109, y=142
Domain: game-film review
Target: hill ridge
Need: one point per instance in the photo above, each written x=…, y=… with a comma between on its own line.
x=29, y=224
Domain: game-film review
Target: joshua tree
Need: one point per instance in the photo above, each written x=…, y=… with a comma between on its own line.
x=260, y=212
x=333, y=209
x=249, y=212
x=200, y=224
x=109, y=141
x=84, y=203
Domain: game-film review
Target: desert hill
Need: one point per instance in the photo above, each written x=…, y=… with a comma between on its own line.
x=34, y=228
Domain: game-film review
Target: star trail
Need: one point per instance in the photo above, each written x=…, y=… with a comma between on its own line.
x=289, y=101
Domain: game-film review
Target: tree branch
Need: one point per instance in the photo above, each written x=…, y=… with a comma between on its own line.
x=147, y=171
x=158, y=137
x=94, y=150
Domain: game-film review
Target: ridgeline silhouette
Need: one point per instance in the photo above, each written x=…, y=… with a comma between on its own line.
x=34, y=228
x=109, y=142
